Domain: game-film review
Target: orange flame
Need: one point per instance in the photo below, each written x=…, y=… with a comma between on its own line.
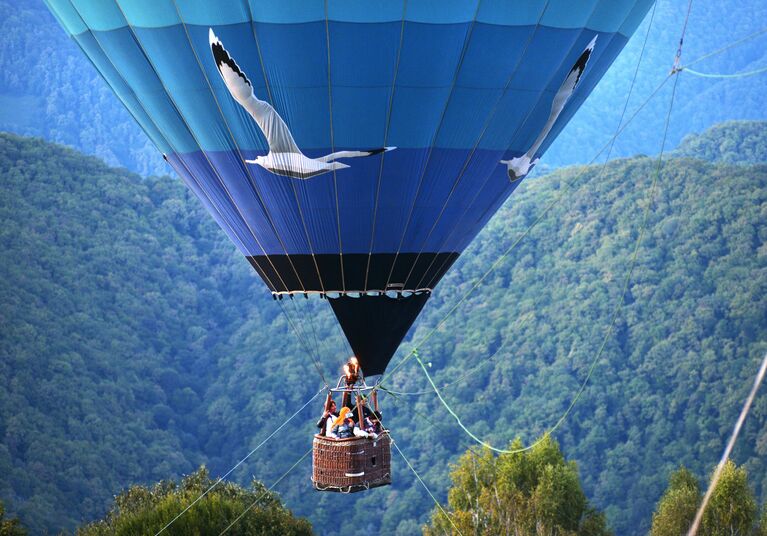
x=352, y=370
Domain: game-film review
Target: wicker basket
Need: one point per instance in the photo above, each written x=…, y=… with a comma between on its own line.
x=349, y=465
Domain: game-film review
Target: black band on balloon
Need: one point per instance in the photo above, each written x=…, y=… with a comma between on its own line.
x=298, y=273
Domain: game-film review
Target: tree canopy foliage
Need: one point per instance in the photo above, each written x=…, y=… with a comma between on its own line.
x=529, y=492
x=734, y=142
x=137, y=344
x=147, y=510
x=732, y=509
x=10, y=526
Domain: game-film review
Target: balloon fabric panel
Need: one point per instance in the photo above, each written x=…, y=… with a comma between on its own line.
x=352, y=147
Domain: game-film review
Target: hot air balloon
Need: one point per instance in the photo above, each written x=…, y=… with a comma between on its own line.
x=352, y=149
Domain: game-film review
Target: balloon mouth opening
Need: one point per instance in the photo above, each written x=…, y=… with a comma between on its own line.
x=375, y=326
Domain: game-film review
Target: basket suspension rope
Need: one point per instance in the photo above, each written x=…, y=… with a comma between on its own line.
x=303, y=340
x=328, y=343
x=248, y=455
x=317, y=346
x=725, y=48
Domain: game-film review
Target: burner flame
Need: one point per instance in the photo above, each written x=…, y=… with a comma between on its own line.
x=351, y=371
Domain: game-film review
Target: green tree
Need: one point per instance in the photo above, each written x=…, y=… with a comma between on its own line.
x=676, y=509
x=731, y=511
x=762, y=530
x=144, y=510
x=532, y=492
x=10, y=527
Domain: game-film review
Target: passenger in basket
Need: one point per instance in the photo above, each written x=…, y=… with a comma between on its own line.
x=367, y=413
x=340, y=423
x=371, y=427
x=345, y=427
x=325, y=424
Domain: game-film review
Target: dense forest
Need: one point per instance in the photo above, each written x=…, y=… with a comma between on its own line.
x=137, y=344
x=49, y=89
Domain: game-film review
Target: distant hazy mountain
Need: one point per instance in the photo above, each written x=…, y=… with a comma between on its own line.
x=734, y=142
x=48, y=88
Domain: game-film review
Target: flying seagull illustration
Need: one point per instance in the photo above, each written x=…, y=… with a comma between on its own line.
x=284, y=157
x=520, y=166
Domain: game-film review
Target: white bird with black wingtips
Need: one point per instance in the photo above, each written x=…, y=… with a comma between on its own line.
x=520, y=166
x=284, y=157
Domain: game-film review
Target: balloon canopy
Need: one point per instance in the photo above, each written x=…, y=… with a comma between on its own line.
x=352, y=148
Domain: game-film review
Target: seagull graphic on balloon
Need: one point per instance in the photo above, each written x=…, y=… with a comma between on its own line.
x=284, y=157
x=519, y=167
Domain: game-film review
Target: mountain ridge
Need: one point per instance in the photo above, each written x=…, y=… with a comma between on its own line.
x=138, y=343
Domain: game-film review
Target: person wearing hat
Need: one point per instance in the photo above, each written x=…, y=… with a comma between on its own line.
x=368, y=415
x=325, y=424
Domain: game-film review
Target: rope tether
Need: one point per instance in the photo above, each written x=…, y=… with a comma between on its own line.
x=728, y=47
x=248, y=455
x=614, y=319
x=255, y=502
x=719, y=75
x=426, y=487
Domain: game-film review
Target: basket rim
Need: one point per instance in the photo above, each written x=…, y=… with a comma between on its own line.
x=350, y=439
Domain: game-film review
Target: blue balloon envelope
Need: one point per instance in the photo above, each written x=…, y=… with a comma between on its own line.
x=352, y=148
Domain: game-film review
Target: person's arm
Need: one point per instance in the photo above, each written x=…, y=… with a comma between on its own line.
x=358, y=432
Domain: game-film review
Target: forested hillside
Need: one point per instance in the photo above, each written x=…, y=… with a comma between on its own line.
x=48, y=88
x=733, y=142
x=685, y=348
x=137, y=344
